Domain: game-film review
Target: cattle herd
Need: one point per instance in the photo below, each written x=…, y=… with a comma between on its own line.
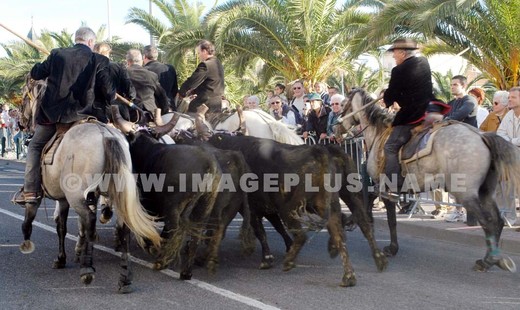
x=204, y=184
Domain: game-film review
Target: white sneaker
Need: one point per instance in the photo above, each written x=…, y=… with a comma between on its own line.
x=456, y=216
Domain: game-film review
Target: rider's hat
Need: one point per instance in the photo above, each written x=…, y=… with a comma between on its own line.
x=404, y=44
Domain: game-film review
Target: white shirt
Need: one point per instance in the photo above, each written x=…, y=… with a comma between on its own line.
x=482, y=113
x=299, y=104
x=509, y=128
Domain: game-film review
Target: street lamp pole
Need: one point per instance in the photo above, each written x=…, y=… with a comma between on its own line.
x=108, y=21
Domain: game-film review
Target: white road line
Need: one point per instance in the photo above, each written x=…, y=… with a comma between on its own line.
x=11, y=184
x=8, y=245
x=200, y=284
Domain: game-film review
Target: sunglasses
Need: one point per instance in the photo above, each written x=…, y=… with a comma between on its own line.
x=335, y=103
x=296, y=88
x=276, y=102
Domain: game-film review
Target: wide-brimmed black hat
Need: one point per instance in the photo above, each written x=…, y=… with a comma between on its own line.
x=404, y=44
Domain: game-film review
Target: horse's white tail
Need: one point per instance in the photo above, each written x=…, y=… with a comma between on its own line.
x=125, y=196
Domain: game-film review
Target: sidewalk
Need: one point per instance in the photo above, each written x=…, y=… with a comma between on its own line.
x=422, y=225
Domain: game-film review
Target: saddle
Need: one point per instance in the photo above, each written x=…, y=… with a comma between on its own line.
x=49, y=150
x=420, y=144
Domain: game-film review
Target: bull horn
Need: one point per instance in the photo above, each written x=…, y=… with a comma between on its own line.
x=158, y=119
x=161, y=130
x=120, y=123
x=241, y=121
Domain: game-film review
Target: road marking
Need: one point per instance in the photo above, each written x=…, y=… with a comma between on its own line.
x=8, y=245
x=200, y=284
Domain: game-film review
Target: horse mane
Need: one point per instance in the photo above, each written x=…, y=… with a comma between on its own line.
x=375, y=114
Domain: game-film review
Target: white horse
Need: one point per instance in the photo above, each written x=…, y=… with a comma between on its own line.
x=92, y=159
x=257, y=122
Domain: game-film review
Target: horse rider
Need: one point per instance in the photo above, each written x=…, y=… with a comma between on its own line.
x=73, y=75
x=166, y=73
x=120, y=81
x=411, y=87
x=206, y=82
x=149, y=93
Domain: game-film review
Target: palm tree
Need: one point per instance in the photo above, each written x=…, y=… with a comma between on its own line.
x=487, y=29
x=298, y=39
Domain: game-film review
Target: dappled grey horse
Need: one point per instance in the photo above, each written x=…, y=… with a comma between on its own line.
x=459, y=153
x=92, y=160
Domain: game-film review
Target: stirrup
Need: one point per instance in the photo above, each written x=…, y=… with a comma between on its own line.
x=393, y=197
x=21, y=198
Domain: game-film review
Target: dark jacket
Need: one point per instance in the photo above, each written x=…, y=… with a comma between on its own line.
x=73, y=74
x=167, y=79
x=149, y=93
x=411, y=87
x=464, y=110
x=318, y=121
x=207, y=82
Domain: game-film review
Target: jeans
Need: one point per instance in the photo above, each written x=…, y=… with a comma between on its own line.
x=33, y=171
x=399, y=136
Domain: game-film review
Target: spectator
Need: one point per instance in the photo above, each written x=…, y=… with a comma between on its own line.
x=268, y=97
x=282, y=112
x=253, y=102
x=279, y=90
x=298, y=102
x=480, y=95
x=463, y=107
x=166, y=73
x=320, y=88
x=318, y=117
x=493, y=120
x=337, y=106
x=509, y=129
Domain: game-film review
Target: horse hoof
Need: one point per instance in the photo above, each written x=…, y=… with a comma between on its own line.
x=106, y=215
x=288, y=266
x=185, y=276
x=87, y=278
x=507, y=264
x=381, y=261
x=58, y=263
x=159, y=266
x=267, y=262
x=348, y=280
x=265, y=265
x=27, y=247
x=125, y=289
x=390, y=250
x=481, y=266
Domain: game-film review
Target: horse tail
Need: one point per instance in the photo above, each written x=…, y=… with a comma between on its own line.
x=505, y=157
x=124, y=194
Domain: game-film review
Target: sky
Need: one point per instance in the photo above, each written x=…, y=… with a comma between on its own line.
x=56, y=15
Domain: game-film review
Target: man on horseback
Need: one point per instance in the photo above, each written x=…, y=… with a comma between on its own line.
x=207, y=81
x=411, y=87
x=73, y=75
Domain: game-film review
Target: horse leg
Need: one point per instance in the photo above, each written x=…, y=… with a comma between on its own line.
x=106, y=210
x=361, y=216
x=61, y=229
x=27, y=245
x=392, y=249
x=88, y=218
x=492, y=224
x=275, y=220
x=125, y=272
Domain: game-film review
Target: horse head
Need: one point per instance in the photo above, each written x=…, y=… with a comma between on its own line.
x=32, y=93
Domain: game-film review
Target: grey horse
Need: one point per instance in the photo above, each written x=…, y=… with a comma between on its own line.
x=458, y=151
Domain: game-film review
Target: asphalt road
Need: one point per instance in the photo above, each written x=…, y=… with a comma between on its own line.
x=426, y=273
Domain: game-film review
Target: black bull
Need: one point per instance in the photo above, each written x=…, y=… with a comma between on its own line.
x=184, y=210
x=272, y=163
